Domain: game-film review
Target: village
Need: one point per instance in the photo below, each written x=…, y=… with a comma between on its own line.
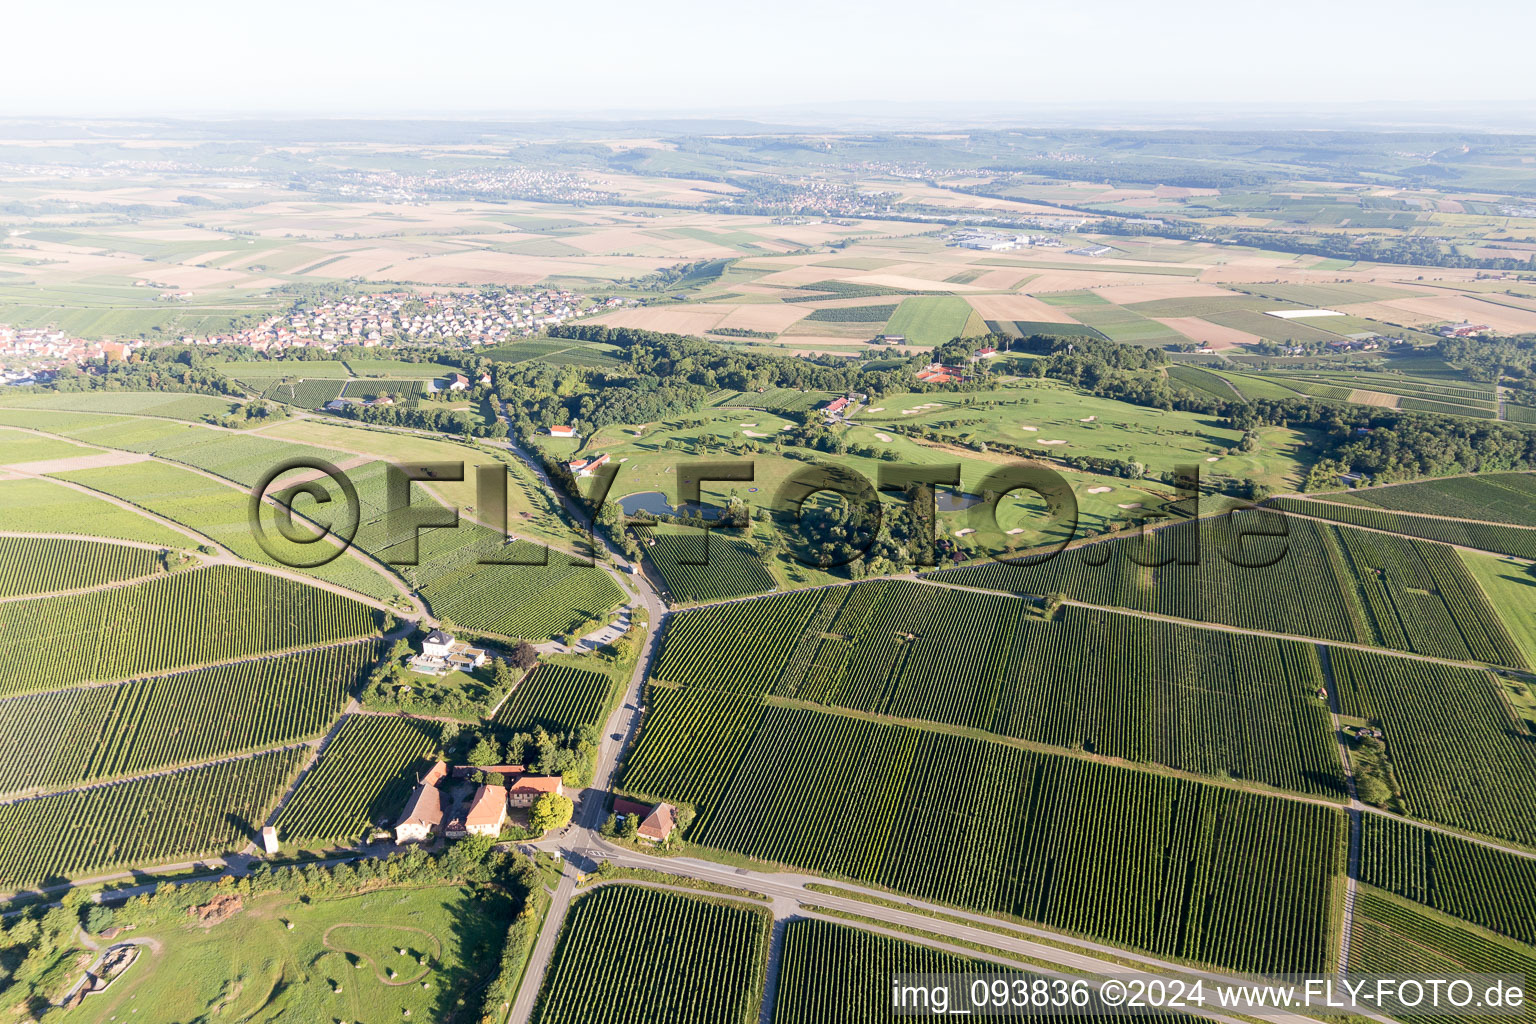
x=395, y=318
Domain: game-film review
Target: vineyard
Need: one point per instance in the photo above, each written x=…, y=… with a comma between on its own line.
x=1492, y=888
x=556, y=698
x=1209, y=702
x=1201, y=872
x=732, y=569
x=778, y=400
x=45, y=506
x=1459, y=752
x=361, y=780
x=1325, y=581
x=692, y=741
x=305, y=394
x=188, y=813
x=1504, y=540
x=1395, y=938
x=1493, y=497
x=836, y=974
x=532, y=602
x=30, y=565
x=664, y=957
x=191, y=618
x=78, y=735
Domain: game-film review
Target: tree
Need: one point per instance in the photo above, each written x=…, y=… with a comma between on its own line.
x=550, y=811
x=630, y=826
x=610, y=825
x=485, y=752
x=525, y=655
x=1373, y=790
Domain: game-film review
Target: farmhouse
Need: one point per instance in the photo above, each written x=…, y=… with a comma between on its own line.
x=457, y=382
x=525, y=789
x=835, y=406
x=486, y=816
x=423, y=813
x=562, y=431
x=584, y=467
x=658, y=825
x=440, y=653
x=1461, y=330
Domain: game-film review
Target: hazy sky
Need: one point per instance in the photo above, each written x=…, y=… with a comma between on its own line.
x=473, y=58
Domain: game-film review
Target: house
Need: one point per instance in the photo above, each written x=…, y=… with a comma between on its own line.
x=457, y=382
x=562, y=431
x=336, y=405
x=1461, y=330
x=486, y=816
x=525, y=789
x=484, y=379
x=269, y=842
x=584, y=467
x=835, y=406
x=440, y=653
x=423, y=813
x=658, y=825
x=1091, y=250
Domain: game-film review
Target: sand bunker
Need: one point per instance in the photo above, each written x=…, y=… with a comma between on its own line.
x=1100, y=490
x=753, y=433
x=1015, y=531
x=1134, y=504
x=878, y=408
x=965, y=532
x=1030, y=429
x=1087, y=419
x=1213, y=458
x=883, y=437
x=1054, y=440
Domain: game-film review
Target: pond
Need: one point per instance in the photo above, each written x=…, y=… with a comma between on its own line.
x=655, y=503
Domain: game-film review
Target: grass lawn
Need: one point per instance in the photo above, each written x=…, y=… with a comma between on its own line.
x=931, y=319
x=326, y=960
x=1512, y=589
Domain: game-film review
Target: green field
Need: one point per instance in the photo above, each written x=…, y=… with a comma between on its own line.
x=1494, y=537
x=666, y=958
x=1493, y=497
x=934, y=320
x=295, y=957
x=557, y=699
x=730, y=565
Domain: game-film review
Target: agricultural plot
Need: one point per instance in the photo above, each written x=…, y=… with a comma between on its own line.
x=730, y=566
x=558, y=699
x=666, y=958
x=1503, y=540
x=1203, y=380
x=198, y=617
x=222, y=514
x=931, y=320
x=1208, y=702
x=838, y=974
x=1126, y=326
x=40, y=565
x=1488, y=887
x=1491, y=497
x=95, y=732
x=529, y=601
x=361, y=780
x=853, y=314
x=169, y=405
x=1028, y=328
x=188, y=813
x=736, y=648
x=1318, y=580
x=304, y=394
x=1460, y=754
x=1395, y=938
x=778, y=400
x=1202, y=872
x=692, y=741
x=45, y=506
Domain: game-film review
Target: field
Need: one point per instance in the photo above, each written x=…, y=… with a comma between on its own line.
x=1495, y=537
x=96, y=732
x=1476, y=883
x=361, y=780
x=187, y=813
x=1458, y=750
x=732, y=566
x=171, y=622
x=295, y=957
x=44, y=506
x=934, y=320
x=170, y=405
x=1202, y=701
x=556, y=698
x=1032, y=836
x=43, y=565
x=1493, y=497
x=666, y=958
x=777, y=400
x=1395, y=938
x=694, y=738
x=1323, y=581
